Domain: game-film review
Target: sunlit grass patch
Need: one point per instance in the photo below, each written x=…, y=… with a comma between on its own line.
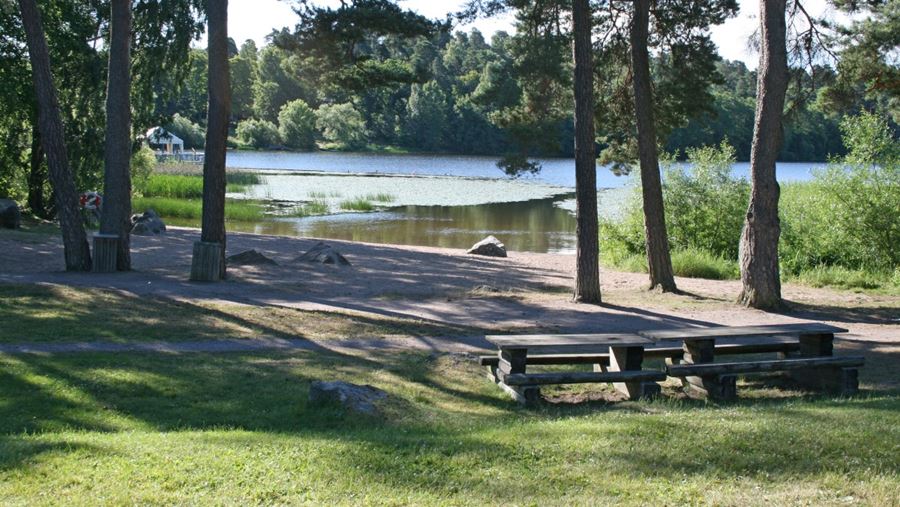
x=358, y=204
x=238, y=429
x=235, y=209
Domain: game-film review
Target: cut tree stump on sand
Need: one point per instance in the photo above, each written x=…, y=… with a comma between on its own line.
x=106, y=247
x=206, y=265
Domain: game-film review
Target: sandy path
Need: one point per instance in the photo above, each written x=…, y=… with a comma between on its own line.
x=525, y=292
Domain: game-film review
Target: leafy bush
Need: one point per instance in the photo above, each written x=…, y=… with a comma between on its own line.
x=258, y=133
x=297, y=125
x=849, y=215
x=694, y=263
x=342, y=124
x=704, y=206
x=143, y=161
x=193, y=136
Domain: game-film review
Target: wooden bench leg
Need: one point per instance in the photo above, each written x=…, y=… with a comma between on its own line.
x=832, y=379
x=513, y=361
x=631, y=358
x=717, y=387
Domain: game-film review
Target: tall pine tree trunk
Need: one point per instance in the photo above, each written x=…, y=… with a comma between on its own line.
x=77, y=251
x=116, y=217
x=587, y=277
x=37, y=176
x=759, y=240
x=213, y=222
x=657, y=240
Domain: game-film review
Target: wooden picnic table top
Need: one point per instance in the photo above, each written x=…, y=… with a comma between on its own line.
x=699, y=333
x=571, y=342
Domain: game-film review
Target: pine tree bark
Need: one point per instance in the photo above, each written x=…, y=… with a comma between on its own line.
x=759, y=240
x=587, y=276
x=116, y=216
x=213, y=221
x=75, y=244
x=37, y=176
x=656, y=236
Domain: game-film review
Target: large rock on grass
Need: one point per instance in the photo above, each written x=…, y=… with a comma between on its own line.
x=148, y=224
x=10, y=216
x=250, y=258
x=325, y=254
x=354, y=398
x=489, y=246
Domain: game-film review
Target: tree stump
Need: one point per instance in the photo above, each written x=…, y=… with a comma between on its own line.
x=106, y=248
x=206, y=265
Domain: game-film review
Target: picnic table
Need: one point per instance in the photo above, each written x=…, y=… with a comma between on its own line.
x=805, y=353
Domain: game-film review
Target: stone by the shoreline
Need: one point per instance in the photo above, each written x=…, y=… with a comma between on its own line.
x=250, y=258
x=360, y=399
x=325, y=254
x=489, y=246
x=148, y=224
x=10, y=216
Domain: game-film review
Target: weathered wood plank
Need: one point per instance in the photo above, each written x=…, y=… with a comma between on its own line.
x=728, y=349
x=562, y=341
x=552, y=359
x=690, y=333
x=106, y=248
x=206, y=265
x=682, y=370
x=525, y=379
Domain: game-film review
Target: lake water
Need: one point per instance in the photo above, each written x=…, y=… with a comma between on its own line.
x=532, y=214
x=559, y=172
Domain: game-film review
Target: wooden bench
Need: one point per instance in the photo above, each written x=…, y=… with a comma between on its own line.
x=736, y=347
x=807, y=357
x=617, y=358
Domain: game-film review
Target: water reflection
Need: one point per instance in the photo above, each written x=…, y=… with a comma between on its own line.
x=533, y=226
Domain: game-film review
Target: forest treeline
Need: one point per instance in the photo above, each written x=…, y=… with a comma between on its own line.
x=458, y=86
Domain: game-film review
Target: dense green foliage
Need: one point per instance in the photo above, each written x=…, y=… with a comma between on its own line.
x=342, y=124
x=297, y=125
x=258, y=134
x=842, y=224
x=850, y=214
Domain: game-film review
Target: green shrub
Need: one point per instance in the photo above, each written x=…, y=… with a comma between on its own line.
x=342, y=124
x=258, y=133
x=143, y=161
x=297, y=125
x=693, y=263
x=704, y=207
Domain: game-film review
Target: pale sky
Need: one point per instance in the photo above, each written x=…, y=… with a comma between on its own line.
x=254, y=19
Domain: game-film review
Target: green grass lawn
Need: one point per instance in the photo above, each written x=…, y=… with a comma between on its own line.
x=237, y=429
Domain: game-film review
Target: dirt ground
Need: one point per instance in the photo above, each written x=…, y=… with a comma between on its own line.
x=526, y=291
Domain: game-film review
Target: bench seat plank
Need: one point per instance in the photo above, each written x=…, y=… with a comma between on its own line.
x=708, y=369
x=688, y=333
x=526, y=379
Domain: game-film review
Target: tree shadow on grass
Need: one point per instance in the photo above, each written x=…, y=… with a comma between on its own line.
x=454, y=427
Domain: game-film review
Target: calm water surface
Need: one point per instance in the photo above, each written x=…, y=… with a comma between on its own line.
x=559, y=171
x=533, y=226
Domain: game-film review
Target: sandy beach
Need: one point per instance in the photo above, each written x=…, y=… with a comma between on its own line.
x=525, y=292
